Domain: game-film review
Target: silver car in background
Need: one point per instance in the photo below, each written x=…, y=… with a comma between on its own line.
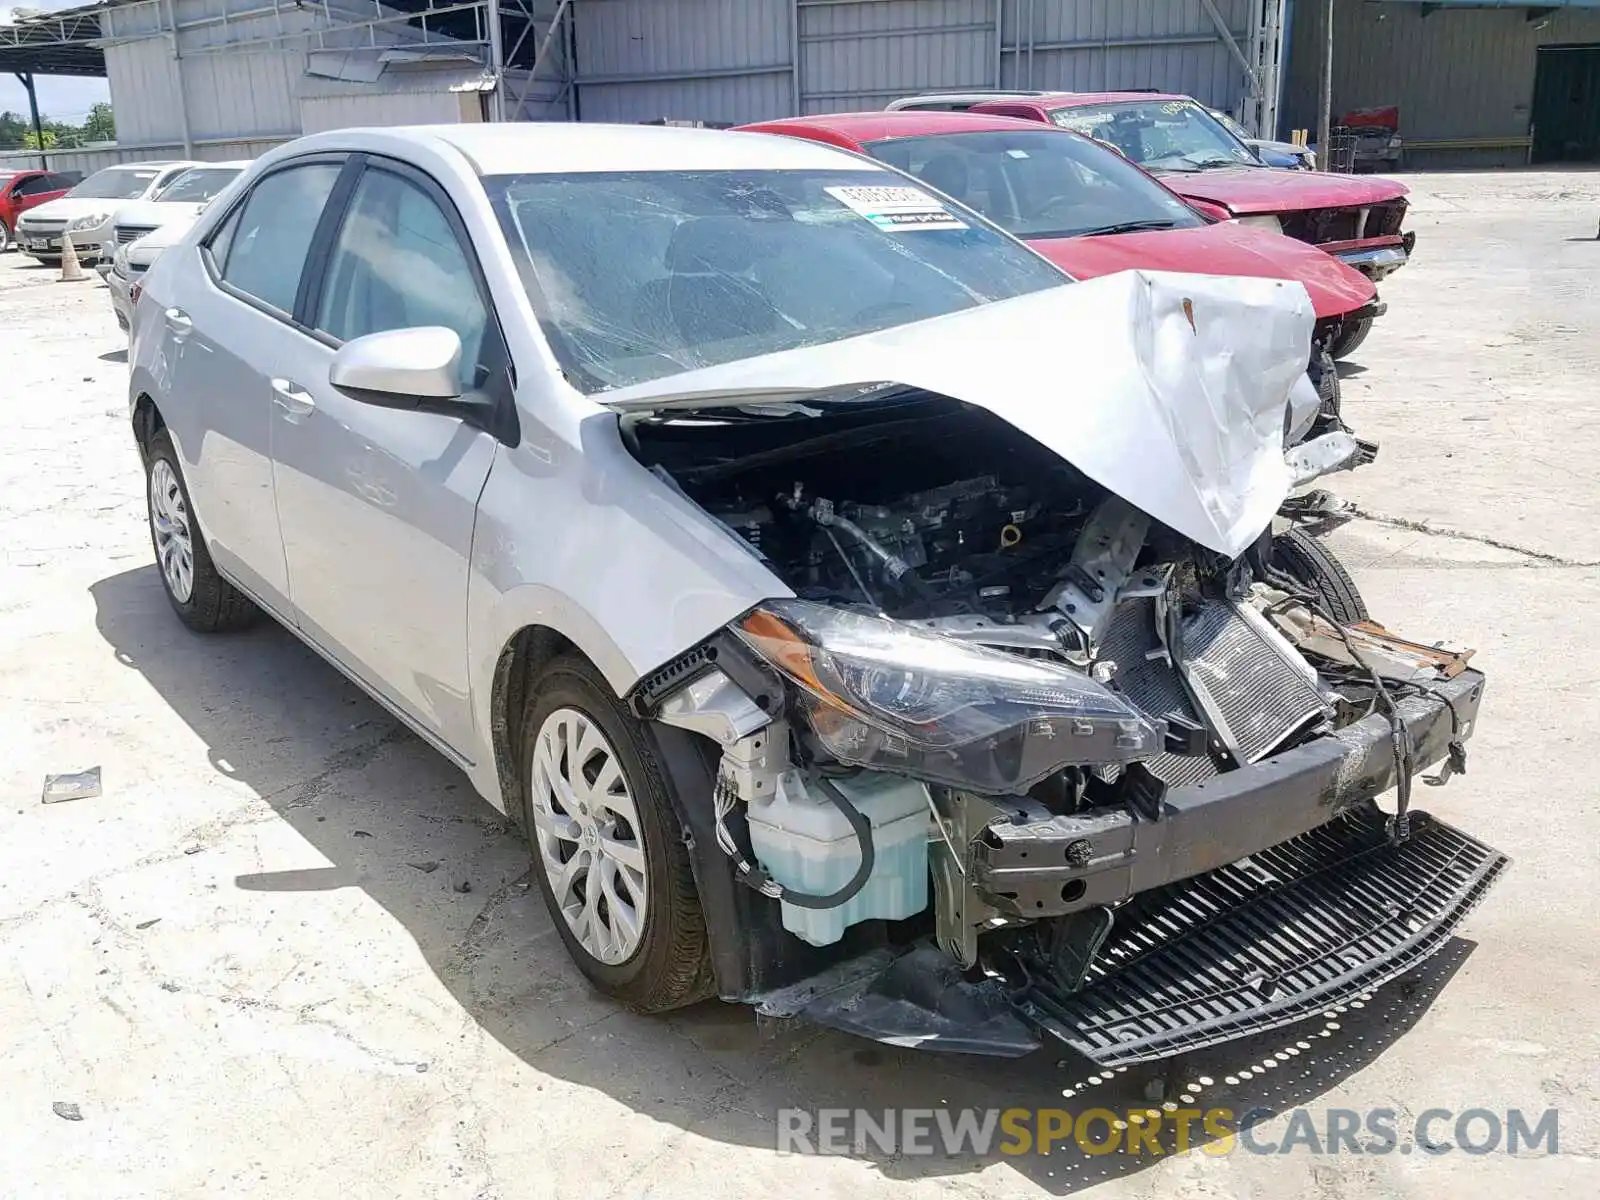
x=859, y=617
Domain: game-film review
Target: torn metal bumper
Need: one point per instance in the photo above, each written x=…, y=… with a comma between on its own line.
x=1248, y=901
x=1038, y=864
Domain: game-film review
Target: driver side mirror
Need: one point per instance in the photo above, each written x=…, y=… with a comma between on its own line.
x=401, y=368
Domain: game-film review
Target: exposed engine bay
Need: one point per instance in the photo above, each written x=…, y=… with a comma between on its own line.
x=924, y=510
x=1008, y=681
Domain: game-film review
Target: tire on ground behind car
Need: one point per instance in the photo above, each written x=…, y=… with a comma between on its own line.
x=671, y=966
x=213, y=605
x=1351, y=336
x=1314, y=566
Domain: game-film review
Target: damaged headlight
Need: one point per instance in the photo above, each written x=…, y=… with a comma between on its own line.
x=883, y=695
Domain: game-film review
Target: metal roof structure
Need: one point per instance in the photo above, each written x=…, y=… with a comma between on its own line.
x=56, y=43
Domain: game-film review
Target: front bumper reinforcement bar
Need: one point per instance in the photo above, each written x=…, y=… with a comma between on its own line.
x=1039, y=865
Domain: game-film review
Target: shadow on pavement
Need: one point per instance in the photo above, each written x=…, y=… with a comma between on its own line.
x=394, y=819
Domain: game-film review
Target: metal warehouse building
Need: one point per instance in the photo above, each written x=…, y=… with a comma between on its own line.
x=227, y=78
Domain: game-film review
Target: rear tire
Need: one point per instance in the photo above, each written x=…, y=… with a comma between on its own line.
x=1315, y=568
x=203, y=599
x=608, y=823
x=1351, y=336
x=5, y=237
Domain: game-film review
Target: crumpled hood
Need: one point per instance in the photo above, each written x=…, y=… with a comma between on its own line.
x=1169, y=390
x=1247, y=190
x=1225, y=248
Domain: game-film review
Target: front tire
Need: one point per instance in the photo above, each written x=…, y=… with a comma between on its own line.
x=5, y=237
x=1351, y=336
x=1315, y=568
x=608, y=848
x=203, y=599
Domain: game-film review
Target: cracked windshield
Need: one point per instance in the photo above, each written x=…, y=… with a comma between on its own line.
x=1164, y=135
x=1038, y=184
x=637, y=276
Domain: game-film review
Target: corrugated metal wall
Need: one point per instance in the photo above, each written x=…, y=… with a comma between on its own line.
x=749, y=60
x=319, y=113
x=1455, y=73
x=704, y=60
x=90, y=161
x=238, y=71
x=1088, y=47
x=862, y=55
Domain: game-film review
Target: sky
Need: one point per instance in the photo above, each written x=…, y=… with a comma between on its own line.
x=61, y=98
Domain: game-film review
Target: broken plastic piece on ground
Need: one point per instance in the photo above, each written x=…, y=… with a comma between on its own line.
x=77, y=785
x=918, y=1000
x=66, y=1110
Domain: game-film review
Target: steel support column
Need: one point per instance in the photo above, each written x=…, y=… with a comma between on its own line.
x=26, y=80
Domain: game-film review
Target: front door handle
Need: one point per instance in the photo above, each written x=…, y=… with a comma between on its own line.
x=292, y=398
x=178, y=321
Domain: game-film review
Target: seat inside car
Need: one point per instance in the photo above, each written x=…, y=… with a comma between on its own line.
x=707, y=295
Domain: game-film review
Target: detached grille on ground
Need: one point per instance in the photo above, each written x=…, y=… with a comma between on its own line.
x=1270, y=939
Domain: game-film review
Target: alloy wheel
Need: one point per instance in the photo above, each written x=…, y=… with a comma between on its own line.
x=587, y=835
x=169, y=522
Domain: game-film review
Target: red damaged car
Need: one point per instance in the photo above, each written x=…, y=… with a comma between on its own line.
x=1090, y=211
x=1355, y=218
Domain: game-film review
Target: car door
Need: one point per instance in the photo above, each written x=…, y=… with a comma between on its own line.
x=32, y=192
x=227, y=331
x=377, y=504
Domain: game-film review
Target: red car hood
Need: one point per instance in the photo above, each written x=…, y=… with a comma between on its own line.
x=1221, y=249
x=1262, y=190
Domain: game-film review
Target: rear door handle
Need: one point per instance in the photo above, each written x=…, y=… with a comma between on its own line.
x=292, y=398
x=178, y=321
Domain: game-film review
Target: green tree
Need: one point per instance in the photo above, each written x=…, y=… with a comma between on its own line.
x=99, y=125
x=30, y=140
x=13, y=129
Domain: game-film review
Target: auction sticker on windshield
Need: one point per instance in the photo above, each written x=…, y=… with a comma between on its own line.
x=897, y=208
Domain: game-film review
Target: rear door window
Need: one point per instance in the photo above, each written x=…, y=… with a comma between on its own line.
x=264, y=248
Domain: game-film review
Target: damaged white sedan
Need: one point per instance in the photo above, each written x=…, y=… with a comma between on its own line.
x=861, y=621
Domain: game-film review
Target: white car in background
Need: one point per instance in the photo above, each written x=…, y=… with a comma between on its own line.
x=85, y=213
x=181, y=201
x=130, y=260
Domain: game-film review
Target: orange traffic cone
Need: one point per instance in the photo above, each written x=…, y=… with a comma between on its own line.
x=71, y=269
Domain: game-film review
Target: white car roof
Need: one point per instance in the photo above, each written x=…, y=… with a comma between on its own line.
x=934, y=99
x=539, y=148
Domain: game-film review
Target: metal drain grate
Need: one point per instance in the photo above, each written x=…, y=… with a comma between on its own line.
x=1270, y=939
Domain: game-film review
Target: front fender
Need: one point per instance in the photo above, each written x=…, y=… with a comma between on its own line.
x=576, y=537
